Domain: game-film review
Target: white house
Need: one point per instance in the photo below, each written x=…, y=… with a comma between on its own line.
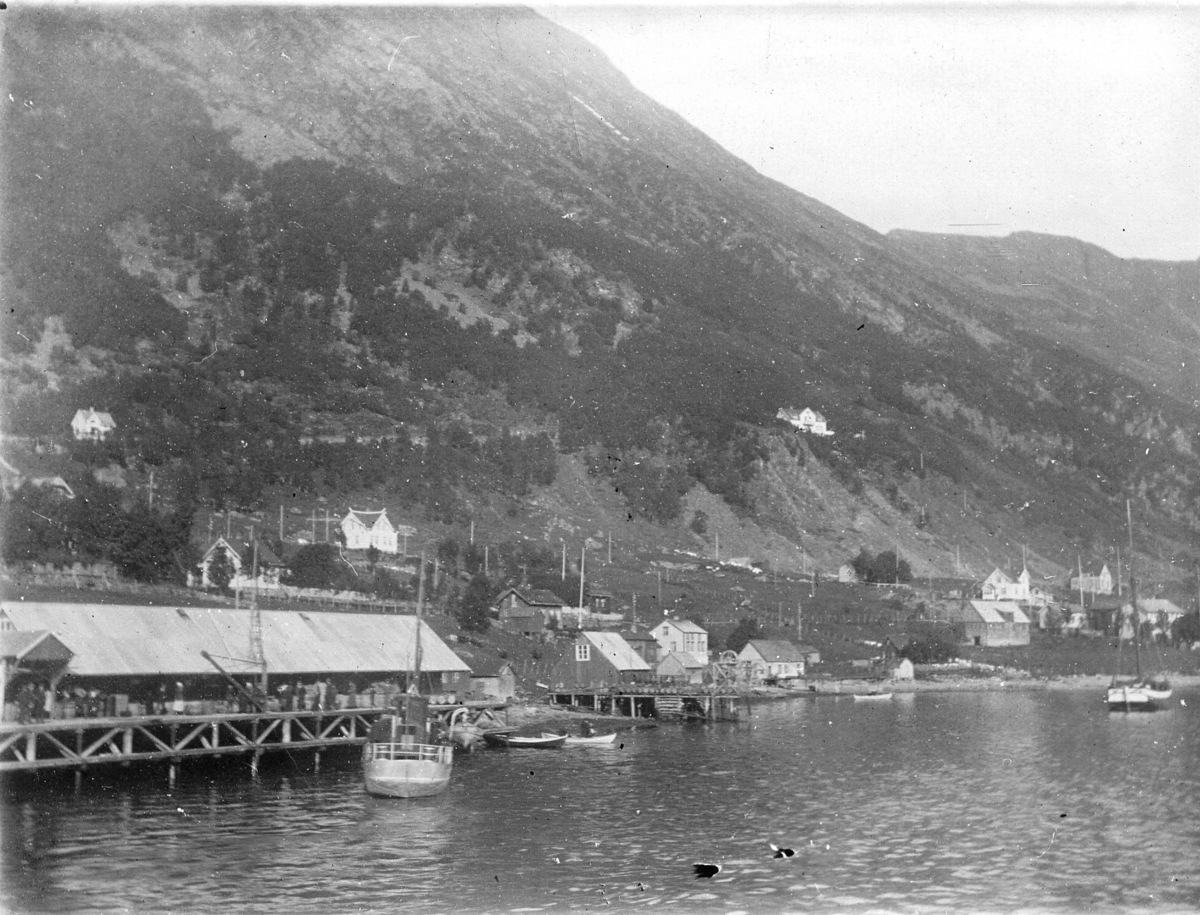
x=806, y=420
x=684, y=636
x=999, y=586
x=92, y=424
x=1090, y=583
x=241, y=556
x=846, y=573
x=364, y=530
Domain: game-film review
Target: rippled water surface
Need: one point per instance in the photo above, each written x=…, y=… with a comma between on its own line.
x=981, y=802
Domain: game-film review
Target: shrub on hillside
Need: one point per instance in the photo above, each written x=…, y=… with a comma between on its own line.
x=935, y=648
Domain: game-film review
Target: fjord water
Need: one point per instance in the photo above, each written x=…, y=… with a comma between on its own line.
x=974, y=802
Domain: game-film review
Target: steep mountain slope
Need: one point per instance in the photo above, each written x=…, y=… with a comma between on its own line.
x=462, y=237
x=1141, y=318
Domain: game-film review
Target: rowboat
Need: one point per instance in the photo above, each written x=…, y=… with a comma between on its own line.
x=873, y=696
x=599, y=740
x=513, y=742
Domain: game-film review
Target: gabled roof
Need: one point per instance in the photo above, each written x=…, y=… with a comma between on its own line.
x=998, y=611
x=776, y=651
x=618, y=652
x=245, y=551
x=32, y=646
x=685, y=626
x=103, y=419
x=126, y=640
x=366, y=519
x=538, y=597
x=638, y=637
x=684, y=659
x=1158, y=605
x=490, y=667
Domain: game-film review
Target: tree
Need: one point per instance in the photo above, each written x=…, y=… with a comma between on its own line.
x=317, y=565
x=883, y=568
x=473, y=606
x=934, y=648
x=746, y=629
x=1186, y=629
x=220, y=570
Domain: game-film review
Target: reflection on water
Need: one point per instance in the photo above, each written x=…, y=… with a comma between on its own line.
x=997, y=802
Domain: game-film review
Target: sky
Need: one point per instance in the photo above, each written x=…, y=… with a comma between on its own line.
x=1078, y=120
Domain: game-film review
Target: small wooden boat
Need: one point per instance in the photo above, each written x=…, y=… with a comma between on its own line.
x=513, y=742
x=595, y=740
x=875, y=695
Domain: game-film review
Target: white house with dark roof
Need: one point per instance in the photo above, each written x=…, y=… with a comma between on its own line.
x=92, y=424
x=364, y=530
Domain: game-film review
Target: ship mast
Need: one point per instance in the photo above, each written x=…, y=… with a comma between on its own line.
x=1137, y=637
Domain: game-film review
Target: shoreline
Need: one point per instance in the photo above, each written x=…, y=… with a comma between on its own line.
x=529, y=714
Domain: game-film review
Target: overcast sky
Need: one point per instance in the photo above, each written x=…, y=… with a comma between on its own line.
x=1080, y=120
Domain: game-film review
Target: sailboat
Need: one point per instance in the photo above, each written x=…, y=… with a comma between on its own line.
x=404, y=756
x=1135, y=692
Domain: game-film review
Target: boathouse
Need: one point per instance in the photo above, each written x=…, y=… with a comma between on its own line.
x=992, y=624
x=493, y=680
x=135, y=651
x=594, y=660
x=773, y=660
x=678, y=667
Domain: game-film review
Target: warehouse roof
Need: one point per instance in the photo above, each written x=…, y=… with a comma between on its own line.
x=124, y=640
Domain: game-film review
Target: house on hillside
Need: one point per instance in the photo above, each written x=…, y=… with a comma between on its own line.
x=682, y=635
x=597, y=660
x=992, y=624
x=241, y=556
x=773, y=660
x=806, y=420
x=527, y=610
x=1093, y=582
x=364, y=530
x=998, y=586
x=92, y=424
x=679, y=668
x=846, y=574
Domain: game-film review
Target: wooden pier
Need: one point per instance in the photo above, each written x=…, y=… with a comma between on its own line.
x=647, y=702
x=85, y=743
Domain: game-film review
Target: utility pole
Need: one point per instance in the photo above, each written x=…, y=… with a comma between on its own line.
x=281, y=522
x=257, y=655
x=472, y=531
x=610, y=548
x=582, y=570
x=326, y=525
x=799, y=621
x=564, y=560
x=150, y=487
x=314, y=526
x=1118, y=570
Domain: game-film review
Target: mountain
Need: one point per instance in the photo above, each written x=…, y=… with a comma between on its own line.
x=460, y=238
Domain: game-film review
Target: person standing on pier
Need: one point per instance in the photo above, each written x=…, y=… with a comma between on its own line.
x=178, y=707
x=321, y=692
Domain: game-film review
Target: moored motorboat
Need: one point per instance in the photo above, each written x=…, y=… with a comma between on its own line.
x=400, y=759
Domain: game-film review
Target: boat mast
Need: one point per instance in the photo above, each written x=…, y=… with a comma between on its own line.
x=1137, y=642
x=415, y=687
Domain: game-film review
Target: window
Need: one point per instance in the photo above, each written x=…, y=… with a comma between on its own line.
x=583, y=651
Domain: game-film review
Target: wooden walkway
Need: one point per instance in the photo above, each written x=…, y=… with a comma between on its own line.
x=698, y=705
x=85, y=743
